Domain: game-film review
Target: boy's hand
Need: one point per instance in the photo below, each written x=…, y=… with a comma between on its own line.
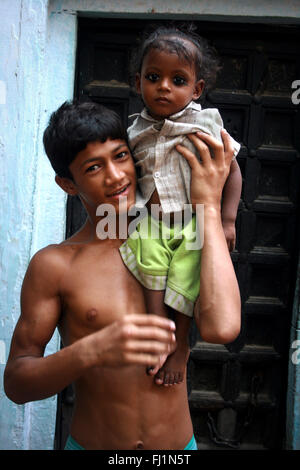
x=209, y=175
x=230, y=234
x=137, y=339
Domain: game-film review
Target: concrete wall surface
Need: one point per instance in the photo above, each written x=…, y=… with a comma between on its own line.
x=32, y=208
x=214, y=10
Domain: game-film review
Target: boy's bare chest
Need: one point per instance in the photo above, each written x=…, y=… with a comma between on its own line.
x=98, y=289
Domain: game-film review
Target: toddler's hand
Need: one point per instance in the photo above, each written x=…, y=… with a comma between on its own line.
x=208, y=176
x=230, y=234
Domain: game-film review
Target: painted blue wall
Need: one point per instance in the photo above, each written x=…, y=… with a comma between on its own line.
x=37, y=63
x=32, y=207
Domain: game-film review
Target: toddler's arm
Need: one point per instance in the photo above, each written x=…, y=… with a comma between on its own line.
x=230, y=202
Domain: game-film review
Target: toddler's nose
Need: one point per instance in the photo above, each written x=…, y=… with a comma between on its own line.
x=165, y=84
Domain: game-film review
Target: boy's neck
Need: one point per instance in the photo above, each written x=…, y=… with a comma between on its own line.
x=102, y=230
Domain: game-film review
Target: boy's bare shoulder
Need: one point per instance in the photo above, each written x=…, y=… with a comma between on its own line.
x=59, y=252
x=51, y=261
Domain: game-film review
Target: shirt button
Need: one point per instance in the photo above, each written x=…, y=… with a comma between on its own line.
x=157, y=174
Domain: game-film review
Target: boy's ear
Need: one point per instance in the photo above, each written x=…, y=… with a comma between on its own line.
x=199, y=87
x=67, y=185
x=138, y=83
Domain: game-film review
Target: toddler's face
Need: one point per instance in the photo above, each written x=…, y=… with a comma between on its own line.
x=167, y=83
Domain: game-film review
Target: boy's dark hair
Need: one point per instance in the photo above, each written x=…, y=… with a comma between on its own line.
x=169, y=38
x=73, y=126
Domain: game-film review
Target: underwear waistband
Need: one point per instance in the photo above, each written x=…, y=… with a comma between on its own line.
x=71, y=444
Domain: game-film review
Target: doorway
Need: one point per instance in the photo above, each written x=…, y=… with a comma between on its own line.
x=237, y=393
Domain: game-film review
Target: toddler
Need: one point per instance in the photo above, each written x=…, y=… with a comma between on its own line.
x=173, y=66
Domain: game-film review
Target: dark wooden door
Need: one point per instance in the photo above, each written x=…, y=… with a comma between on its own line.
x=237, y=392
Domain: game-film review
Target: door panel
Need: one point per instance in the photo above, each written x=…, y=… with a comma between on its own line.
x=236, y=392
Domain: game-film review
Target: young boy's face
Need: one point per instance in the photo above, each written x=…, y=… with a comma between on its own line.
x=104, y=173
x=167, y=83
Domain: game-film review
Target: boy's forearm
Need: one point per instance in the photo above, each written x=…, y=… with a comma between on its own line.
x=217, y=311
x=30, y=378
x=135, y=339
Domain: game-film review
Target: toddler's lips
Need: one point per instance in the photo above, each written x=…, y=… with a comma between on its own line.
x=162, y=100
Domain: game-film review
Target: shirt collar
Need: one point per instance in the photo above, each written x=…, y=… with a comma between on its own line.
x=173, y=117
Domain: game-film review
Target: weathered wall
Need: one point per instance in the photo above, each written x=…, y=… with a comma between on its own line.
x=32, y=207
x=215, y=10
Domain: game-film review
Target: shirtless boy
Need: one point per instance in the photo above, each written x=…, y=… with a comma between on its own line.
x=82, y=287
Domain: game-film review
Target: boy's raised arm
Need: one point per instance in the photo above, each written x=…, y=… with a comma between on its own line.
x=218, y=307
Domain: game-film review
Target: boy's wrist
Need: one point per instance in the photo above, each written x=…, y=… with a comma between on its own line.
x=86, y=352
x=209, y=212
x=212, y=208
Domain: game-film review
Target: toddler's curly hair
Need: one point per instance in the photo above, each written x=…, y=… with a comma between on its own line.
x=170, y=39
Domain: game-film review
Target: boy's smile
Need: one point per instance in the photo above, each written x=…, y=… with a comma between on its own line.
x=104, y=173
x=167, y=83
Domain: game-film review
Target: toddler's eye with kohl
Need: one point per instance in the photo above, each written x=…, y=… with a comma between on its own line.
x=179, y=81
x=152, y=77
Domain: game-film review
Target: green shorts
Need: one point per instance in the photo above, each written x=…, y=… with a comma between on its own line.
x=165, y=258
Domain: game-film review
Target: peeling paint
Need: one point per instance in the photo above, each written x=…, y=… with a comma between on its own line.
x=2, y=352
x=2, y=94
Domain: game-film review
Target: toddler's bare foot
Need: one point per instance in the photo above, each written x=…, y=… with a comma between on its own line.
x=153, y=370
x=172, y=371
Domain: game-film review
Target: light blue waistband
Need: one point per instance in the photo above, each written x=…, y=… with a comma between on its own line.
x=192, y=445
x=71, y=444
